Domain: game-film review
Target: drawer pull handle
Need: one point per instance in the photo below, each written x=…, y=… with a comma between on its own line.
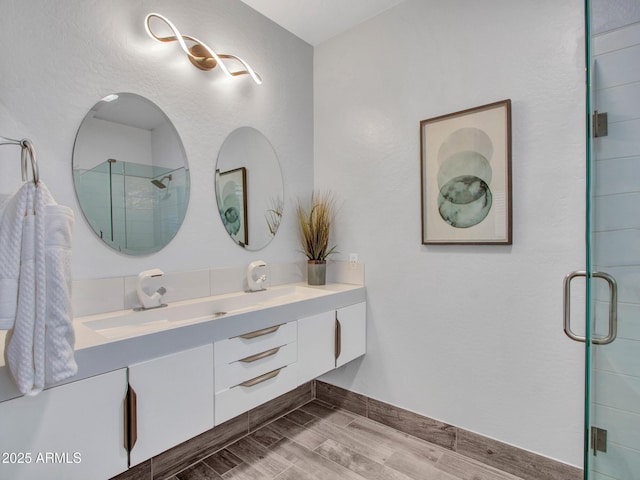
x=338, y=341
x=259, y=333
x=261, y=378
x=131, y=416
x=260, y=356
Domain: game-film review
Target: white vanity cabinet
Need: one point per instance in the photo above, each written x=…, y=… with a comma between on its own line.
x=330, y=339
x=253, y=368
x=72, y=431
x=351, y=324
x=316, y=345
x=170, y=401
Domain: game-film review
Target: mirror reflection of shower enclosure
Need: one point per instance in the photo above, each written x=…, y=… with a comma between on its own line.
x=127, y=208
x=130, y=174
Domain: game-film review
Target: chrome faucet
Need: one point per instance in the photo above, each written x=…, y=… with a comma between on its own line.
x=256, y=275
x=150, y=300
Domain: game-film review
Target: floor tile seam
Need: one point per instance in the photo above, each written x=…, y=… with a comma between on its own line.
x=270, y=421
x=272, y=441
x=336, y=463
x=413, y=437
x=306, y=428
x=382, y=464
x=274, y=419
x=246, y=434
x=281, y=474
x=481, y=464
x=320, y=419
x=337, y=408
x=175, y=475
x=210, y=468
x=356, y=435
x=221, y=474
x=441, y=451
x=259, y=459
x=360, y=441
x=200, y=460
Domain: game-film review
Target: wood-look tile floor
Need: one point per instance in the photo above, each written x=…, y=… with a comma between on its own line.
x=318, y=442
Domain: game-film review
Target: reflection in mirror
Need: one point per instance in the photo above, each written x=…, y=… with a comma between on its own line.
x=130, y=173
x=249, y=188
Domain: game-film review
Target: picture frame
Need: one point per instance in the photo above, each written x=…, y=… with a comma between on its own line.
x=465, y=172
x=232, y=203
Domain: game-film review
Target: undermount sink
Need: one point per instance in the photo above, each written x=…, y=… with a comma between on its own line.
x=130, y=323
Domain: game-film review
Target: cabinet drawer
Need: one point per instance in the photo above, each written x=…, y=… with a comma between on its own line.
x=232, y=349
x=231, y=374
x=236, y=400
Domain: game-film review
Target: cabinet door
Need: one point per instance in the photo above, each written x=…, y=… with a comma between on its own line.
x=74, y=431
x=316, y=345
x=352, y=325
x=174, y=396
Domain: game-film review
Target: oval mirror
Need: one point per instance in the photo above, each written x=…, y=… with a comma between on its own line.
x=130, y=174
x=249, y=188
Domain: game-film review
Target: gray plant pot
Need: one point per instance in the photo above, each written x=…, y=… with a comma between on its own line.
x=316, y=272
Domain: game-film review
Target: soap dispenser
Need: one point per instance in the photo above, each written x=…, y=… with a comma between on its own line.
x=256, y=275
x=153, y=300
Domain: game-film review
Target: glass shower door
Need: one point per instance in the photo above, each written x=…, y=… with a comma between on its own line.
x=612, y=446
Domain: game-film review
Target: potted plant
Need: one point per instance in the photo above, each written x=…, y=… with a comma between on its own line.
x=314, y=225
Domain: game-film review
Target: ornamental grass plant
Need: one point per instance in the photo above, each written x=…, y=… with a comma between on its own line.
x=314, y=225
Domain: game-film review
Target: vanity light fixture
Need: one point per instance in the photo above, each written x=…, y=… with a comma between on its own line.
x=200, y=54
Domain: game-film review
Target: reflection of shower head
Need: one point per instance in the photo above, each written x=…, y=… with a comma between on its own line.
x=159, y=184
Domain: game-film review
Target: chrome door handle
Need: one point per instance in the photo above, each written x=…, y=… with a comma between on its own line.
x=613, y=307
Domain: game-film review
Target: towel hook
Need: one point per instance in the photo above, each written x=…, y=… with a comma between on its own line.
x=27, y=150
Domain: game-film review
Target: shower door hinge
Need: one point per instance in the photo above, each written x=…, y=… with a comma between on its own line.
x=598, y=440
x=600, y=124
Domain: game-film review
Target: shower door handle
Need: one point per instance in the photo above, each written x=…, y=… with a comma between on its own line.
x=613, y=308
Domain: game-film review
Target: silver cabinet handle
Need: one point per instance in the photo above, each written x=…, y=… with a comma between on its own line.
x=260, y=356
x=259, y=333
x=131, y=419
x=260, y=379
x=613, y=307
x=338, y=341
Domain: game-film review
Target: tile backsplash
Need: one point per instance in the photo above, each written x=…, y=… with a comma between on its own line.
x=102, y=295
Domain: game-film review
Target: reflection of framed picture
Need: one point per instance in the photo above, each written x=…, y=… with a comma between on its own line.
x=232, y=188
x=465, y=165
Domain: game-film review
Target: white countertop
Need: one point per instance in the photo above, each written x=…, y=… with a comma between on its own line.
x=113, y=340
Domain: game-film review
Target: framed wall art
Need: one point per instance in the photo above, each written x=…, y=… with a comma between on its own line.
x=465, y=166
x=231, y=186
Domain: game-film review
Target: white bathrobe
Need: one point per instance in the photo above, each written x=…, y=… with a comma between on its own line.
x=39, y=344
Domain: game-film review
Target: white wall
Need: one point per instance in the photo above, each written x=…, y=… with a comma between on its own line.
x=470, y=335
x=60, y=57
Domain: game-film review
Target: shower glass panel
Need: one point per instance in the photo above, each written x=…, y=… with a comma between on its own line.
x=134, y=208
x=612, y=446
